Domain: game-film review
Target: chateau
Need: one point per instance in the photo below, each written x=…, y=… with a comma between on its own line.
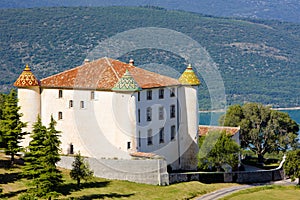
x=107, y=109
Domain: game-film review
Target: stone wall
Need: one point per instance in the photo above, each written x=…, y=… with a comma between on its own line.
x=233, y=177
x=149, y=171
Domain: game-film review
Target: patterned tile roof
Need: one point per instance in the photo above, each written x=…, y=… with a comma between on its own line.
x=188, y=77
x=126, y=84
x=204, y=130
x=103, y=74
x=27, y=79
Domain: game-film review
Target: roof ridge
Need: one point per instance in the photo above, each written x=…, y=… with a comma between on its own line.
x=111, y=66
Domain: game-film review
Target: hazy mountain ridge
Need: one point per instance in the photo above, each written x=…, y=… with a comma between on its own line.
x=285, y=10
x=258, y=60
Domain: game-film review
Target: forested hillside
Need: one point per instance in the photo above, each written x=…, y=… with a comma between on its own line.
x=284, y=10
x=258, y=60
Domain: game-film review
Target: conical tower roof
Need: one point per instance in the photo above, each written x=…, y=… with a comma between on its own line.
x=126, y=84
x=27, y=79
x=188, y=77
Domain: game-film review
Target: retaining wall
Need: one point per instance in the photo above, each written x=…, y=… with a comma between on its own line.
x=232, y=177
x=149, y=171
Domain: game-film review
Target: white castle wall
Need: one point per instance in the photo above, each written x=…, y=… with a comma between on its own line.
x=101, y=129
x=29, y=101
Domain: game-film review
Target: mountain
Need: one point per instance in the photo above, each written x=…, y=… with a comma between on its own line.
x=284, y=10
x=257, y=59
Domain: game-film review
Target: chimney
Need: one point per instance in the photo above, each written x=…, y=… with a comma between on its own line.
x=131, y=62
x=86, y=61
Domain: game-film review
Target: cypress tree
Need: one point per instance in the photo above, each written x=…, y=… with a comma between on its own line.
x=11, y=125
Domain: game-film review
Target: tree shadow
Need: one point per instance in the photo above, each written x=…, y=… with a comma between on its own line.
x=102, y=196
x=66, y=189
x=9, y=177
x=11, y=194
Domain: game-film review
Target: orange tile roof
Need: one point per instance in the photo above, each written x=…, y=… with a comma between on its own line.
x=27, y=79
x=103, y=74
x=203, y=130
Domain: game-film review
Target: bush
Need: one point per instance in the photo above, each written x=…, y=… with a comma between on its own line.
x=27, y=196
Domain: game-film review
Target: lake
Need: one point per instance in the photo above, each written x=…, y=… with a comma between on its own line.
x=211, y=118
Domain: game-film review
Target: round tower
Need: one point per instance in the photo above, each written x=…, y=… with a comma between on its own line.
x=189, y=120
x=29, y=100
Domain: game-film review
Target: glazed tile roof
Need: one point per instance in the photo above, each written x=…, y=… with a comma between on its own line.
x=204, y=130
x=126, y=84
x=27, y=79
x=104, y=74
x=189, y=77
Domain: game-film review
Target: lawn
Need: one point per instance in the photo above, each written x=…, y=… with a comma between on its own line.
x=271, y=192
x=101, y=188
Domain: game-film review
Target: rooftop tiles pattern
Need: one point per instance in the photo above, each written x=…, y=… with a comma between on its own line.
x=104, y=74
x=204, y=130
x=188, y=77
x=27, y=79
x=126, y=84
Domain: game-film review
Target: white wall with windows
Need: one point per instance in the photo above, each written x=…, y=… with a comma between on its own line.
x=97, y=123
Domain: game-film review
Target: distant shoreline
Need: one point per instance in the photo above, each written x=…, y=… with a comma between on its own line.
x=222, y=110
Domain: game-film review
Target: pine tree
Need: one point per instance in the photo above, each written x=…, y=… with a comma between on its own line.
x=50, y=178
x=80, y=170
x=33, y=156
x=11, y=125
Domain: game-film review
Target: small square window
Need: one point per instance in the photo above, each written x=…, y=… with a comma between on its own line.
x=60, y=116
x=172, y=111
x=60, y=93
x=81, y=104
x=161, y=135
x=172, y=92
x=161, y=113
x=149, y=114
x=149, y=137
x=92, y=95
x=149, y=95
x=71, y=104
x=161, y=93
x=173, y=132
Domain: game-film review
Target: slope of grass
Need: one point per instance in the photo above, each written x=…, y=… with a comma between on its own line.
x=267, y=192
x=100, y=188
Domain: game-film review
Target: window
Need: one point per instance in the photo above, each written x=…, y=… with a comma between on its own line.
x=139, y=138
x=139, y=96
x=71, y=149
x=149, y=137
x=60, y=93
x=139, y=115
x=172, y=111
x=149, y=95
x=161, y=135
x=161, y=113
x=92, y=95
x=81, y=104
x=71, y=104
x=149, y=114
x=161, y=93
x=128, y=145
x=60, y=115
x=172, y=92
x=173, y=132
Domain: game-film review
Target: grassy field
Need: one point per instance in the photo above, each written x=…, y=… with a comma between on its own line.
x=100, y=188
x=271, y=192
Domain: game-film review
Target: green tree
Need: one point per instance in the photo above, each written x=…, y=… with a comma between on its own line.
x=50, y=179
x=11, y=125
x=35, y=151
x=292, y=165
x=217, y=149
x=41, y=159
x=262, y=130
x=80, y=170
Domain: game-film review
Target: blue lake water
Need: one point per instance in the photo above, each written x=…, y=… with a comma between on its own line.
x=211, y=118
